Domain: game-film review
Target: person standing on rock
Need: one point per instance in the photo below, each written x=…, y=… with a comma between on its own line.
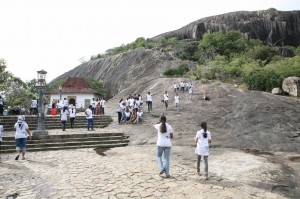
x=176, y=100
x=166, y=98
x=149, y=101
x=190, y=92
x=89, y=117
x=22, y=129
x=203, y=139
x=164, y=136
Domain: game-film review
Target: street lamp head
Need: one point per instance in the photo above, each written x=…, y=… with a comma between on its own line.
x=41, y=78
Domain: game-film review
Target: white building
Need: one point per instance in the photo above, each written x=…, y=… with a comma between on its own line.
x=77, y=92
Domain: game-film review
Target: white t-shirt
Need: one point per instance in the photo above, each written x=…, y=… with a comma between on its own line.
x=93, y=103
x=175, y=86
x=202, y=144
x=21, y=130
x=33, y=103
x=190, y=90
x=1, y=129
x=64, y=115
x=149, y=98
x=102, y=102
x=163, y=139
x=1, y=101
x=89, y=114
x=72, y=112
x=166, y=97
x=65, y=103
x=176, y=98
x=131, y=101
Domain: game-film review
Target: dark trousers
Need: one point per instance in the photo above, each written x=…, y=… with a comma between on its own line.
x=72, y=121
x=1, y=109
x=63, y=123
x=119, y=117
x=149, y=105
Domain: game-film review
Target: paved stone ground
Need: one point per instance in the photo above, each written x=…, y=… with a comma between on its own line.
x=132, y=172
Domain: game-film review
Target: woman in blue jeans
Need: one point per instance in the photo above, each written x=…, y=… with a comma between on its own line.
x=164, y=136
x=22, y=130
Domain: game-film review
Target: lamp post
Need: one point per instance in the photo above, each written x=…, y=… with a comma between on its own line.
x=40, y=85
x=60, y=90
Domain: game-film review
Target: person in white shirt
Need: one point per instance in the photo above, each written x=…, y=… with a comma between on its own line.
x=64, y=116
x=1, y=130
x=65, y=103
x=166, y=98
x=149, y=101
x=33, y=109
x=164, y=136
x=203, y=139
x=102, y=104
x=190, y=92
x=176, y=100
x=139, y=115
x=72, y=112
x=94, y=106
x=175, y=87
x=22, y=130
x=89, y=117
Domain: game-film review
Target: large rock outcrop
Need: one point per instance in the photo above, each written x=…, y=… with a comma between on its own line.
x=117, y=72
x=272, y=26
x=291, y=85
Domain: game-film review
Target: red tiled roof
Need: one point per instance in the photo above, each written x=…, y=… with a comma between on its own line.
x=74, y=85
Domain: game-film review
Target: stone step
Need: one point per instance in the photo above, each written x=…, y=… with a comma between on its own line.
x=64, y=144
x=54, y=122
x=66, y=141
x=120, y=144
x=11, y=140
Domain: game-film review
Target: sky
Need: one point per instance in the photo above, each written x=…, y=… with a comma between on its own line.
x=54, y=35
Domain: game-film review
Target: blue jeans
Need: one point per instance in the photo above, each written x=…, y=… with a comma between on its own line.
x=166, y=165
x=63, y=123
x=90, y=123
x=21, y=144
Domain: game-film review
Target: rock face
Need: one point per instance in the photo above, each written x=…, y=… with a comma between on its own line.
x=272, y=26
x=117, y=72
x=291, y=85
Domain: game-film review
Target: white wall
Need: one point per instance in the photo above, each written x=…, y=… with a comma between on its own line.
x=80, y=98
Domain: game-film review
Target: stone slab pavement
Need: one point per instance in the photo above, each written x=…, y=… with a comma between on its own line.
x=132, y=172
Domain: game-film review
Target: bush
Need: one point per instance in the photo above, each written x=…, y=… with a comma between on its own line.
x=262, y=79
x=178, y=71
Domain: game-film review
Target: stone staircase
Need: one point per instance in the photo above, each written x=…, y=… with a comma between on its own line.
x=68, y=141
x=54, y=122
x=86, y=139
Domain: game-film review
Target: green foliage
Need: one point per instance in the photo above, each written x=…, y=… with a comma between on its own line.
x=263, y=53
x=262, y=79
x=101, y=91
x=223, y=43
x=178, y=71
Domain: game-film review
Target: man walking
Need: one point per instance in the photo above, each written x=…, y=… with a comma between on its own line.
x=89, y=117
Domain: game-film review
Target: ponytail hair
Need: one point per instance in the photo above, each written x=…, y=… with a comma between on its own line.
x=163, y=127
x=204, y=127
